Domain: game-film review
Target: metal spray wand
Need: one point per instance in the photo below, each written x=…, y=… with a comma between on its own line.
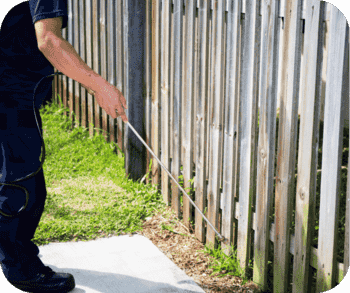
x=140, y=138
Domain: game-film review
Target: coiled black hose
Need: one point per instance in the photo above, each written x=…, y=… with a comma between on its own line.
x=12, y=183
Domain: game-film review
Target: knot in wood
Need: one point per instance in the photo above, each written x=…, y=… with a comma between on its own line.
x=302, y=193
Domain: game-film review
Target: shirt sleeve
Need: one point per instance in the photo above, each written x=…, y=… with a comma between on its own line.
x=42, y=9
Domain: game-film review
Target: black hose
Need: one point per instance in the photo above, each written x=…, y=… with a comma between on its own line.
x=11, y=183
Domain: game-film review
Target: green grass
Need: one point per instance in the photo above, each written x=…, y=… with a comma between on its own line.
x=89, y=195
x=226, y=265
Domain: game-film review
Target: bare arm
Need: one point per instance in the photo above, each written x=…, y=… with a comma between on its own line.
x=62, y=54
x=64, y=57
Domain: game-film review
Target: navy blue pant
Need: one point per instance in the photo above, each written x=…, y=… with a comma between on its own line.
x=20, y=147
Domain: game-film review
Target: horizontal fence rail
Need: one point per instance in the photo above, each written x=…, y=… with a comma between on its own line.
x=247, y=103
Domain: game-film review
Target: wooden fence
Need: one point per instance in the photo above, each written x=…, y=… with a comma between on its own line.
x=249, y=100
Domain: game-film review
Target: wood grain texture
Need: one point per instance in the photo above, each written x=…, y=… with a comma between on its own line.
x=178, y=27
x=216, y=125
x=155, y=130
x=188, y=108
x=231, y=127
x=165, y=98
x=308, y=143
x=201, y=118
x=267, y=134
x=247, y=131
x=331, y=154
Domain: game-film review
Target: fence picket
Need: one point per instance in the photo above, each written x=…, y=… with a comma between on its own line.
x=171, y=83
x=211, y=79
x=202, y=108
x=111, y=62
x=88, y=31
x=308, y=144
x=216, y=126
x=120, y=64
x=165, y=98
x=96, y=57
x=288, y=123
x=231, y=128
x=68, y=94
x=155, y=128
x=126, y=79
x=83, y=56
x=247, y=131
x=332, y=150
x=62, y=86
x=188, y=108
x=178, y=15
x=148, y=84
x=103, y=61
x=195, y=88
x=76, y=85
x=267, y=133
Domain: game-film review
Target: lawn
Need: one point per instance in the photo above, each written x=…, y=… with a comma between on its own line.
x=89, y=195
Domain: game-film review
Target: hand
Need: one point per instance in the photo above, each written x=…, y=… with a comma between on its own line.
x=111, y=100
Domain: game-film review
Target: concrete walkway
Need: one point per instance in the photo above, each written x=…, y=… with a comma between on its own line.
x=116, y=264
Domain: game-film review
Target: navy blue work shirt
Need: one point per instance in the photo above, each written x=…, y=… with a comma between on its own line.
x=22, y=65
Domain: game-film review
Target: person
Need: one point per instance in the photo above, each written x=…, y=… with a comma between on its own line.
x=31, y=45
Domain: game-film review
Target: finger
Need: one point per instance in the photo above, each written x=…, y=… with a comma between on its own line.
x=113, y=114
x=120, y=112
x=122, y=115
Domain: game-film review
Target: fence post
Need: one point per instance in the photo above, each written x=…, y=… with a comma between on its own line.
x=134, y=36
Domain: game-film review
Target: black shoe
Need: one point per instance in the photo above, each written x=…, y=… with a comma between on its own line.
x=47, y=281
